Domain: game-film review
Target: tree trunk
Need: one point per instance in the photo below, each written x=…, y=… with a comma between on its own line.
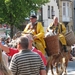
x=11, y=25
x=11, y=32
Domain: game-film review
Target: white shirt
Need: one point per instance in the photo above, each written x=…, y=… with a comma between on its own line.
x=5, y=58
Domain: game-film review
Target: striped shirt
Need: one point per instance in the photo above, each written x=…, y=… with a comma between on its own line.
x=26, y=63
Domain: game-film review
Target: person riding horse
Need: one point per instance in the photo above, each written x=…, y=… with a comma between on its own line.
x=36, y=29
x=60, y=29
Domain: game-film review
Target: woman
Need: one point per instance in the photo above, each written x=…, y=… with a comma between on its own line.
x=3, y=68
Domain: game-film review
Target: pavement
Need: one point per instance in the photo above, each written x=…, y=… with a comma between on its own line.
x=70, y=68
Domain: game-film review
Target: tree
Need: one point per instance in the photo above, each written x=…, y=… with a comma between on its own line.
x=14, y=12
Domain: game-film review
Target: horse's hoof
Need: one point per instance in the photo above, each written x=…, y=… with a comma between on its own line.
x=64, y=73
x=60, y=73
x=57, y=74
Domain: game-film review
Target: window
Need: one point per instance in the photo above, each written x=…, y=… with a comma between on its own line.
x=64, y=4
x=52, y=12
x=49, y=12
x=68, y=8
x=65, y=8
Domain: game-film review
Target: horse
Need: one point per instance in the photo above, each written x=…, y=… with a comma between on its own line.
x=61, y=59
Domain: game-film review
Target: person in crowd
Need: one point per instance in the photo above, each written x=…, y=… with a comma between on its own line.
x=33, y=49
x=3, y=67
x=5, y=58
x=2, y=39
x=4, y=55
x=11, y=51
x=26, y=62
x=7, y=41
x=36, y=29
x=60, y=29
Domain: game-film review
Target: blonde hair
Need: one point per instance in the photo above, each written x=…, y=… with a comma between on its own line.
x=3, y=68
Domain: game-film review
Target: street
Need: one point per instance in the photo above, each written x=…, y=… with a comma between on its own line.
x=70, y=68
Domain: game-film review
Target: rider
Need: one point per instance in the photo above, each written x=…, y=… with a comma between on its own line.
x=36, y=29
x=60, y=29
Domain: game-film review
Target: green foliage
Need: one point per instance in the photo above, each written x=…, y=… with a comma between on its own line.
x=14, y=12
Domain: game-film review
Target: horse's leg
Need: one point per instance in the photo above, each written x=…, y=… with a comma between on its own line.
x=57, y=71
x=67, y=59
x=51, y=66
x=48, y=64
x=59, y=65
x=61, y=68
x=62, y=62
x=66, y=63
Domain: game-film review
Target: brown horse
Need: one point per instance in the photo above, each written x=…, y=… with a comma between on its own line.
x=59, y=61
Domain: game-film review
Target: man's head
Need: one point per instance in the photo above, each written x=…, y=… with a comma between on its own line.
x=55, y=19
x=23, y=43
x=33, y=18
x=30, y=39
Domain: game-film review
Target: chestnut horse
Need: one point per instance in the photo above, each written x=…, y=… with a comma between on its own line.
x=59, y=59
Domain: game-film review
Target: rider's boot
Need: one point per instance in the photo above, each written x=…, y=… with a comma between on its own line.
x=65, y=48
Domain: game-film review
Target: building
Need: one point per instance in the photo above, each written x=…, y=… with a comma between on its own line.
x=66, y=13
x=47, y=12
x=63, y=9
